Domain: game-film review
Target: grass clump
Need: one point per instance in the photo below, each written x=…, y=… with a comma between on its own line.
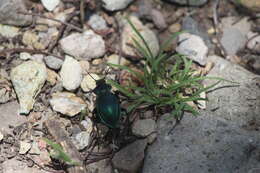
x=164, y=85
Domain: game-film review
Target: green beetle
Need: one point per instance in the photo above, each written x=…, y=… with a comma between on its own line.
x=107, y=109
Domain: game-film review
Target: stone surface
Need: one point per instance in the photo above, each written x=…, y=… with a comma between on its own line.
x=87, y=45
x=242, y=24
x=158, y=19
x=253, y=5
x=88, y=83
x=103, y=166
x=114, y=5
x=190, y=2
x=130, y=158
x=8, y=31
x=52, y=77
x=71, y=73
x=28, y=79
x=53, y=62
x=67, y=103
x=240, y=103
x=143, y=128
x=24, y=147
x=193, y=47
x=97, y=22
x=128, y=34
x=9, y=13
x=253, y=41
x=25, y=56
x=16, y=166
x=32, y=40
x=81, y=140
x=115, y=59
x=10, y=116
x=202, y=144
x=1, y=136
x=50, y=5
x=224, y=138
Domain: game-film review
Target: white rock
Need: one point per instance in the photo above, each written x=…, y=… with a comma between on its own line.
x=97, y=22
x=113, y=5
x=128, y=34
x=50, y=4
x=87, y=45
x=144, y=127
x=193, y=47
x=87, y=124
x=1, y=136
x=88, y=83
x=71, y=73
x=81, y=140
x=28, y=79
x=115, y=59
x=24, y=147
x=8, y=31
x=67, y=103
x=25, y=56
x=53, y=62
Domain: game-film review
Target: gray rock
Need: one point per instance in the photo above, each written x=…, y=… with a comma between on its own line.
x=71, y=73
x=130, y=158
x=53, y=62
x=222, y=138
x=87, y=45
x=202, y=144
x=50, y=5
x=191, y=2
x=128, y=34
x=243, y=25
x=192, y=27
x=97, y=22
x=143, y=128
x=193, y=47
x=102, y=166
x=114, y=5
x=28, y=79
x=233, y=40
x=158, y=19
x=9, y=13
x=81, y=140
x=10, y=116
x=239, y=104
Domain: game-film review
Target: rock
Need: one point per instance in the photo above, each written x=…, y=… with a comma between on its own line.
x=71, y=74
x=9, y=116
x=1, y=136
x=206, y=143
x=38, y=58
x=25, y=56
x=158, y=19
x=16, y=166
x=192, y=26
x=24, y=147
x=97, y=22
x=87, y=45
x=232, y=40
x=9, y=13
x=28, y=79
x=114, y=5
x=189, y=3
x=253, y=5
x=254, y=41
x=130, y=158
x=67, y=103
x=52, y=77
x=128, y=34
x=53, y=62
x=151, y=138
x=84, y=66
x=35, y=150
x=8, y=31
x=88, y=83
x=242, y=24
x=176, y=27
x=50, y=5
x=143, y=128
x=115, y=59
x=193, y=47
x=87, y=124
x=81, y=140
x=102, y=166
x=32, y=40
x=243, y=105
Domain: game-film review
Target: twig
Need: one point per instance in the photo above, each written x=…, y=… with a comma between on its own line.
x=82, y=12
x=33, y=51
x=56, y=20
